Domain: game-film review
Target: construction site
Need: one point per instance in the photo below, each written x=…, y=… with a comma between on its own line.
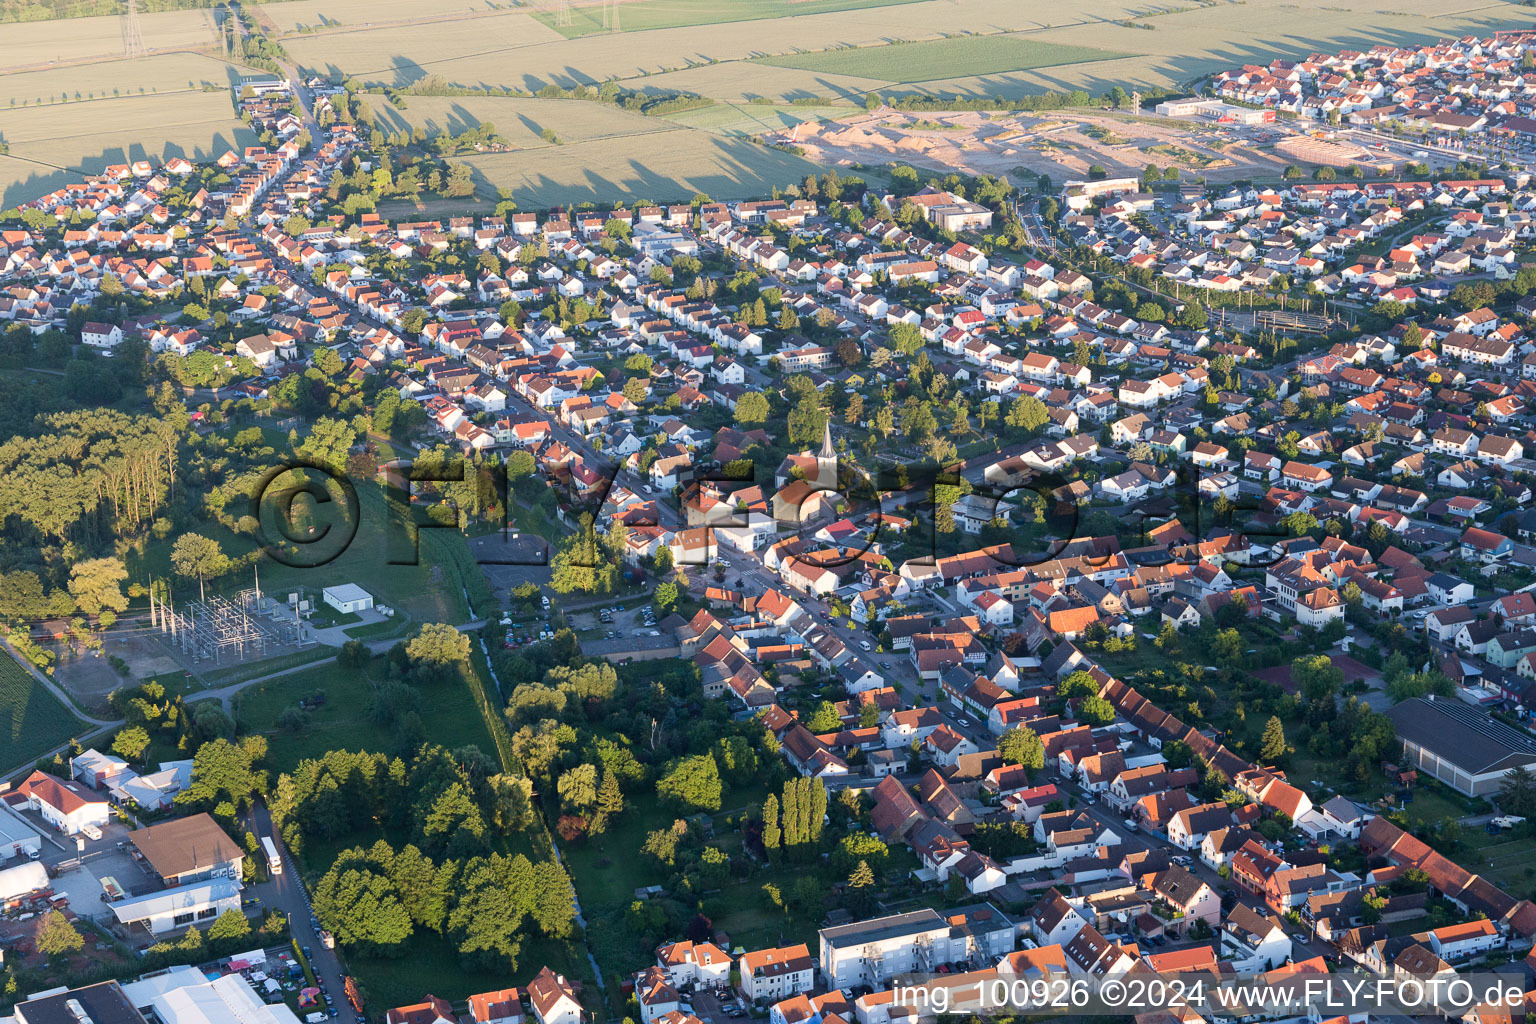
x=1062, y=144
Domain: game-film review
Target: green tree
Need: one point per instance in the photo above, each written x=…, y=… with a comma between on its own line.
x=861, y=884
x=1096, y=711
x=692, y=783
x=1021, y=745
x=610, y=797
x=772, y=837
x=436, y=648
x=1272, y=746
x=1316, y=677
x=229, y=925
x=581, y=564
x=131, y=742
x=1517, y=793
x=825, y=718
x=1027, y=413
x=197, y=557
x=97, y=585
x=664, y=598
x=577, y=789
x=56, y=937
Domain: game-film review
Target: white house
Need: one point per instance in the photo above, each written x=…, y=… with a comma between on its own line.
x=107, y=336
x=768, y=975
x=1254, y=939
x=67, y=806
x=554, y=1000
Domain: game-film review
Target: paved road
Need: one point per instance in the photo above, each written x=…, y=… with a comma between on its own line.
x=286, y=892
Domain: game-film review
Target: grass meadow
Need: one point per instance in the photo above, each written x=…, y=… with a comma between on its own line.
x=449, y=714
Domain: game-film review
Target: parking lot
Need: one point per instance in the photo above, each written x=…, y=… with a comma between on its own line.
x=77, y=864
x=511, y=560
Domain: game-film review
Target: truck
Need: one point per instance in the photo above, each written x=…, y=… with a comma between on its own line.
x=1508, y=820
x=327, y=940
x=274, y=859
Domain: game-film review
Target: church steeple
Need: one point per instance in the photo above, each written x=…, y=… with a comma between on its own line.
x=827, y=453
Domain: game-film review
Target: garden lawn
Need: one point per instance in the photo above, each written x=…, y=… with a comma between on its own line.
x=32, y=720
x=1508, y=859
x=431, y=964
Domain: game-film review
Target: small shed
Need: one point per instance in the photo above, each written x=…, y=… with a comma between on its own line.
x=347, y=597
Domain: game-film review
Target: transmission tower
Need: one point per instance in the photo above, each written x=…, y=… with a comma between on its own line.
x=563, y=13
x=615, y=19
x=1135, y=102
x=133, y=39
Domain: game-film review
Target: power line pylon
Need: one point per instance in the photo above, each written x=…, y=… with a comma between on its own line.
x=133, y=38
x=615, y=25
x=563, y=14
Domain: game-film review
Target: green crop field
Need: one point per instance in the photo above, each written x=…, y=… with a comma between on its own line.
x=32, y=720
x=938, y=58
x=642, y=15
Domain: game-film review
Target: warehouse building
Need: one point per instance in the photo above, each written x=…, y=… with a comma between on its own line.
x=1459, y=744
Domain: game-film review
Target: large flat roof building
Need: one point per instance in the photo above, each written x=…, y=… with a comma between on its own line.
x=1462, y=746
x=870, y=952
x=102, y=1003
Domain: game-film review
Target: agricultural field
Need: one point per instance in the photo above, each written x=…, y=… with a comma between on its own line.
x=1179, y=47
x=937, y=58
x=750, y=118
x=645, y=15
x=398, y=56
x=306, y=15
x=52, y=145
x=32, y=720
x=144, y=76
x=605, y=153
x=665, y=165
x=465, y=51
x=40, y=42
x=518, y=119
